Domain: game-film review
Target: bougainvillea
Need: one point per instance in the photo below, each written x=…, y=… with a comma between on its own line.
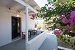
x=62, y=14
x=57, y=25
x=56, y=32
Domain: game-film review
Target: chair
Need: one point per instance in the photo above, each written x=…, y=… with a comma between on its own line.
x=34, y=32
x=23, y=35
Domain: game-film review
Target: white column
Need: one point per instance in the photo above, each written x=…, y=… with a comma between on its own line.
x=26, y=18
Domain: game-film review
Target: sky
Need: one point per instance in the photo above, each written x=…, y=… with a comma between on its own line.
x=41, y=3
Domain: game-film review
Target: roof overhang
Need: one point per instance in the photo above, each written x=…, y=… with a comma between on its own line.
x=25, y=4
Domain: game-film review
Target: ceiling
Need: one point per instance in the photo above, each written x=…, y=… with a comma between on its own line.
x=13, y=5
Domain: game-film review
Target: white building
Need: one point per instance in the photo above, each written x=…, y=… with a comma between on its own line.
x=12, y=10
x=15, y=18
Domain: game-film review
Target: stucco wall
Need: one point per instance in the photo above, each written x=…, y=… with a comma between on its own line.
x=36, y=42
x=5, y=25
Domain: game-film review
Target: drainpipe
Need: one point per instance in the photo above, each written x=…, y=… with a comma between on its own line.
x=26, y=24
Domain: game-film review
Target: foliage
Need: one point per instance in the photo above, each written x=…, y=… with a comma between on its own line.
x=67, y=41
x=60, y=13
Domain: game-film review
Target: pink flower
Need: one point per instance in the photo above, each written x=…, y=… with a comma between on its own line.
x=69, y=28
x=72, y=18
x=64, y=20
x=71, y=31
x=49, y=8
x=56, y=32
x=36, y=17
x=64, y=29
x=72, y=14
x=72, y=21
x=50, y=29
x=61, y=16
x=33, y=15
x=43, y=13
x=57, y=25
x=47, y=18
x=32, y=18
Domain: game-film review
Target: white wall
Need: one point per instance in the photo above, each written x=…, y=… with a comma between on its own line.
x=36, y=42
x=5, y=25
x=40, y=23
x=31, y=23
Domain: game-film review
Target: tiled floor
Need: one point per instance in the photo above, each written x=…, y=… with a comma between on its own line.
x=16, y=45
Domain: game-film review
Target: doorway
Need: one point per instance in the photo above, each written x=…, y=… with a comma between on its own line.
x=16, y=27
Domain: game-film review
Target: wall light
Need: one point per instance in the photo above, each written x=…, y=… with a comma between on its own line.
x=18, y=15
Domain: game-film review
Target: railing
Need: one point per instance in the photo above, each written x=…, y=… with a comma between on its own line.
x=36, y=42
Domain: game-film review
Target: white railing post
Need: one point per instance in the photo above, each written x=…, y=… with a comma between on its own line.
x=26, y=23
